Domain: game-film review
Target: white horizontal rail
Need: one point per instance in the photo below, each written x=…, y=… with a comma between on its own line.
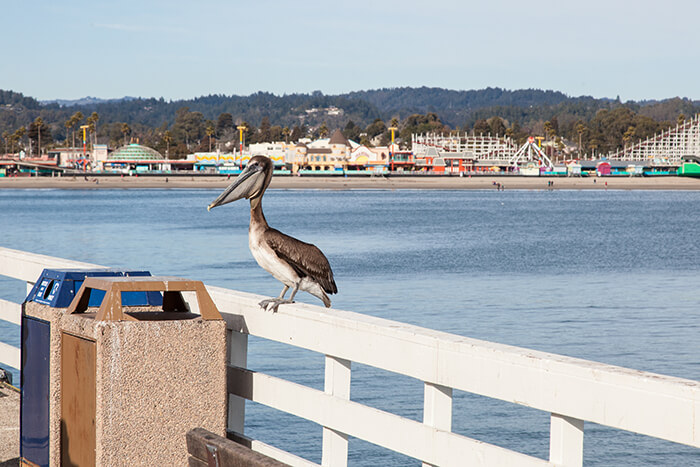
x=28, y=266
x=10, y=311
x=10, y=355
x=399, y=434
x=655, y=405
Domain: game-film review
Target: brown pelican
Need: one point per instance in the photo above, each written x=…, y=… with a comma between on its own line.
x=299, y=265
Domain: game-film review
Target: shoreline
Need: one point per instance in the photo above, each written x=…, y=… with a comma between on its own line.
x=360, y=183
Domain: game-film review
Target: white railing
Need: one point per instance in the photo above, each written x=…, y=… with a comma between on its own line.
x=571, y=390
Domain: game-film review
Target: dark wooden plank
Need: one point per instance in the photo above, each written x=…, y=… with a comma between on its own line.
x=197, y=440
x=202, y=444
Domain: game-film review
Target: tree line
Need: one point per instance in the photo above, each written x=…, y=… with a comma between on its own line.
x=176, y=128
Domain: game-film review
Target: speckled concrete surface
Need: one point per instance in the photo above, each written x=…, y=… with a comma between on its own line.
x=9, y=425
x=155, y=381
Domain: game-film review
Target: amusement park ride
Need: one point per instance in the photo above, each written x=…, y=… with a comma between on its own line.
x=530, y=152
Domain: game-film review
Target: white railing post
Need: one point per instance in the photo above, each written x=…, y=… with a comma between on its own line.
x=238, y=356
x=437, y=408
x=337, y=383
x=566, y=441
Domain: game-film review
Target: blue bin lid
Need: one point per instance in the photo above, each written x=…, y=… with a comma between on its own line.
x=57, y=288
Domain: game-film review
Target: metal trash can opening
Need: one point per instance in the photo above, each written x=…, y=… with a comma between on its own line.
x=135, y=380
x=42, y=310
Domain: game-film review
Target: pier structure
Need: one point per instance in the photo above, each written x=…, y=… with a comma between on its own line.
x=669, y=147
x=478, y=147
x=570, y=390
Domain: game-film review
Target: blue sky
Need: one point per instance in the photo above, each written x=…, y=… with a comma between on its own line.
x=182, y=49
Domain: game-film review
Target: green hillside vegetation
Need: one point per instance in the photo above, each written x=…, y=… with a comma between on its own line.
x=183, y=126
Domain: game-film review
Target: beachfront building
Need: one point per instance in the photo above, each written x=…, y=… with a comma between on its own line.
x=215, y=162
x=279, y=151
x=14, y=165
x=329, y=154
x=340, y=146
x=336, y=153
x=52, y=162
x=79, y=158
x=606, y=167
x=319, y=159
x=364, y=158
x=326, y=154
x=135, y=158
x=72, y=157
x=100, y=153
x=298, y=157
x=445, y=162
x=402, y=161
x=573, y=169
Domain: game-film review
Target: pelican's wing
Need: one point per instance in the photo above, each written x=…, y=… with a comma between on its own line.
x=306, y=259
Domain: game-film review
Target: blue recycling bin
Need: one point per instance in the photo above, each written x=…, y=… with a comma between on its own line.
x=55, y=288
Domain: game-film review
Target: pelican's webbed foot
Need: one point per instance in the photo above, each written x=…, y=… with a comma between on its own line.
x=273, y=303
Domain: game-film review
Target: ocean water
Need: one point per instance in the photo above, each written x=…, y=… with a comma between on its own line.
x=610, y=276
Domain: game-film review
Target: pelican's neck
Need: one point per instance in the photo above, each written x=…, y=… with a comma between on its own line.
x=257, y=217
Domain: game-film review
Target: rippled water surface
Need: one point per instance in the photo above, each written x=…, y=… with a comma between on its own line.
x=606, y=276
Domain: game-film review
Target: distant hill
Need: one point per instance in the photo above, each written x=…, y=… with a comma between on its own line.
x=85, y=101
x=455, y=108
x=454, y=105
x=522, y=111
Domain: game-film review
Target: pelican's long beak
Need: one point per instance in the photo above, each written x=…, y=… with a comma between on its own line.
x=246, y=185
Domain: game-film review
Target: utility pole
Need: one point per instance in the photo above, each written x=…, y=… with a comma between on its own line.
x=391, y=149
x=241, y=128
x=84, y=128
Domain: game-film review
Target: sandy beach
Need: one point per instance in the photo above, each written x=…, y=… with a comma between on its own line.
x=362, y=183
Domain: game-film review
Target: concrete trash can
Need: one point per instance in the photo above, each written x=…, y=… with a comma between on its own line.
x=42, y=310
x=135, y=380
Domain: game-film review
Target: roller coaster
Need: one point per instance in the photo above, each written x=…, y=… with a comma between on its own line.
x=669, y=147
